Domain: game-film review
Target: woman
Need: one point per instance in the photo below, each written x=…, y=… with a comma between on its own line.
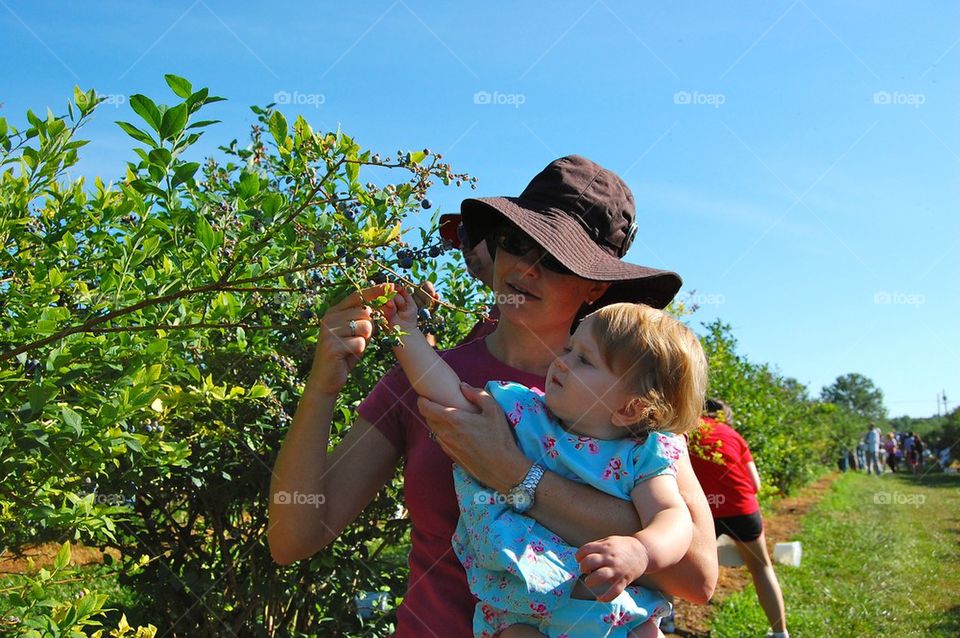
x=724, y=465
x=890, y=447
x=557, y=253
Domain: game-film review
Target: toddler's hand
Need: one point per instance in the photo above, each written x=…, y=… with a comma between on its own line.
x=402, y=310
x=612, y=563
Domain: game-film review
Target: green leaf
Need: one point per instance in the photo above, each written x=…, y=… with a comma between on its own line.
x=55, y=277
x=259, y=391
x=197, y=100
x=38, y=397
x=271, y=203
x=136, y=133
x=63, y=557
x=82, y=100
x=150, y=245
x=278, y=128
x=71, y=418
x=179, y=85
x=146, y=188
x=206, y=234
x=202, y=123
x=145, y=108
x=158, y=346
x=184, y=172
x=160, y=157
x=353, y=171
x=173, y=121
x=30, y=157
x=249, y=185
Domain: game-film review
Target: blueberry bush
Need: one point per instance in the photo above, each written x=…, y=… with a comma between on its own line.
x=155, y=333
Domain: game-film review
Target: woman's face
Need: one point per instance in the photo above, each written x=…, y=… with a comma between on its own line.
x=535, y=296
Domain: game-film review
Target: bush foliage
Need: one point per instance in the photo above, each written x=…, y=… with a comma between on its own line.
x=155, y=337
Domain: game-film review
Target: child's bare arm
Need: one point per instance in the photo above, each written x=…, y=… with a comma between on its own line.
x=429, y=375
x=667, y=527
x=663, y=541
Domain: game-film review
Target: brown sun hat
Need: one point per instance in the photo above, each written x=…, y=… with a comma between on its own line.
x=583, y=215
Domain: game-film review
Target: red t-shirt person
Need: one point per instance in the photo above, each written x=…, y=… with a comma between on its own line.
x=719, y=456
x=438, y=601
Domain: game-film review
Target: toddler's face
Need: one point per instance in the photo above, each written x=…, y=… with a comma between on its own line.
x=581, y=390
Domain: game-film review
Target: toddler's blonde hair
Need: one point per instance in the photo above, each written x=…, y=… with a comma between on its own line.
x=659, y=359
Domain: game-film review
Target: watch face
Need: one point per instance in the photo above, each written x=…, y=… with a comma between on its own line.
x=519, y=499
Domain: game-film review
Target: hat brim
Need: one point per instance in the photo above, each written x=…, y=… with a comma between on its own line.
x=566, y=240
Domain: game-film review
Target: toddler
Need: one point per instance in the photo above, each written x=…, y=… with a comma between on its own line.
x=630, y=380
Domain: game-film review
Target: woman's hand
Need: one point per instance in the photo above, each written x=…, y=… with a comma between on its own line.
x=482, y=444
x=345, y=330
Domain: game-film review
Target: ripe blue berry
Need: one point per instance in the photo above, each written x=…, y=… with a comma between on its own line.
x=426, y=203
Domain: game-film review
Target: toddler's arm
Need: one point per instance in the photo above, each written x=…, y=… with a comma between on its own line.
x=429, y=375
x=663, y=541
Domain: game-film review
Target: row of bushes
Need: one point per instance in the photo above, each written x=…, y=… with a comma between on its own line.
x=155, y=334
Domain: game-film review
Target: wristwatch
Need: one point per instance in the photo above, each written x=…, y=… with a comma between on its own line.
x=520, y=498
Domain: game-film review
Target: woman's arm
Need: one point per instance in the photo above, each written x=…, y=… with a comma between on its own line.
x=754, y=475
x=484, y=446
x=313, y=497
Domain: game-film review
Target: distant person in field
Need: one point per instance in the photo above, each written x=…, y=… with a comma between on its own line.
x=890, y=448
x=913, y=447
x=724, y=465
x=872, y=450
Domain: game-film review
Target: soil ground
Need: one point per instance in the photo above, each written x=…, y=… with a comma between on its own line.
x=780, y=524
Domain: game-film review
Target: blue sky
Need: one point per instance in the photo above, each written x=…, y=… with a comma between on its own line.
x=794, y=161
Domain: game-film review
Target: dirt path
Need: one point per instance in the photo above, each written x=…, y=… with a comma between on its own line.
x=780, y=524
x=43, y=555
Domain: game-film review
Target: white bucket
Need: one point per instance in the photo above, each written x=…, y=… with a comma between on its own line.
x=369, y=601
x=727, y=554
x=788, y=553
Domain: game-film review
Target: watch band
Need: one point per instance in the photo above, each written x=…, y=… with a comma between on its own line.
x=523, y=494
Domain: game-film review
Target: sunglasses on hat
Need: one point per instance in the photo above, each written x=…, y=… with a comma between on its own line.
x=517, y=243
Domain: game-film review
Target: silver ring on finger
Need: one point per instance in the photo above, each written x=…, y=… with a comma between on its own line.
x=353, y=328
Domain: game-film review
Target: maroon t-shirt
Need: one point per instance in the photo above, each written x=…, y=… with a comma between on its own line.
x=438, y=601
x=728, y=485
